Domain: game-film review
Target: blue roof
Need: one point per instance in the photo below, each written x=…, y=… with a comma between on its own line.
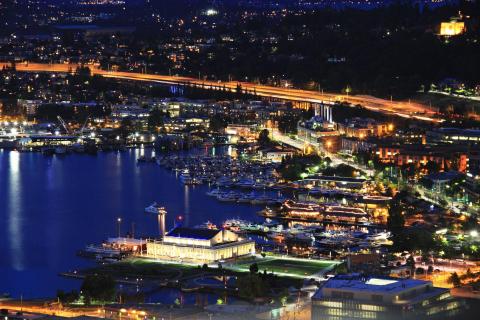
x=193, y=233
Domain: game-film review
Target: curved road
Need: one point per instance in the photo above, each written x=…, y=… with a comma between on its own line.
x=398, y=108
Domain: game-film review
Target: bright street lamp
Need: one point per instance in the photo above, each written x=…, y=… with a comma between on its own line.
x=119, y=222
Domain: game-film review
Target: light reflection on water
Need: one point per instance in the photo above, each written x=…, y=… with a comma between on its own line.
x=15, y=219
x=186, y=204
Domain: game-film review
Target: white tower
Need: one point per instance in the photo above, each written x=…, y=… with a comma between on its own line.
x=161, y=213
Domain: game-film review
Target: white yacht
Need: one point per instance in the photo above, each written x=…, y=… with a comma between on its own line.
x=153, y=208
x=378, y=236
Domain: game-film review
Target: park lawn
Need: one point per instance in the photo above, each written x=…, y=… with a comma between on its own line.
x=141, y=268
x=290, y=266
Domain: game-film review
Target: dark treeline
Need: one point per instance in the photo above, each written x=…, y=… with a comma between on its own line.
x=389, y=51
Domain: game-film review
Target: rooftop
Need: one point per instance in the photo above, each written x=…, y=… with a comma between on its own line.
x=380, y=284
x=193, y=233
x=337, y=178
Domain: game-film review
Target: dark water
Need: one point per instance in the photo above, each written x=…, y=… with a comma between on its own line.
x=50, y=207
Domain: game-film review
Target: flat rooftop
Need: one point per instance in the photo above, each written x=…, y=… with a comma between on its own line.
x=373, y=284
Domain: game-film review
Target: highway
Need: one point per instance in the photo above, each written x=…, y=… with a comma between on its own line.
x=398, y=108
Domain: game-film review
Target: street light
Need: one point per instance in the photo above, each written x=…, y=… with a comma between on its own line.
x=119, y=222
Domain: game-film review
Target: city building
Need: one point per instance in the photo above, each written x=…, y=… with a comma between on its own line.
x=454, y=136
x=364, y=127
x=318, y=130
x=276, y=153
x=447, y=157
x=354, y=145
x=242, y=132
x=452, y=28
x=129, y=111
x=200, y=245
x=181, y=124
x=29, y=106
x=359, y=297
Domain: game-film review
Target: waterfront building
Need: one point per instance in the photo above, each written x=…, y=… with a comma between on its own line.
x=359, y=297
x=335, y=182
x=323, y=213
x=37, y=141
x=276, y=153
x=199, y=245
x=243, y=132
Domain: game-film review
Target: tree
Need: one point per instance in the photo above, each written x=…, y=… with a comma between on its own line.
x=395, y=224
x=288, y=123
x=126, y=127
x=253, y=268
x=454, y=279
x=432, y=167
x=264, y=138
x=217, y=123
x=155, y=119
x=411, y=263
x=67, y=297
x=98, y=287
x=252, y=286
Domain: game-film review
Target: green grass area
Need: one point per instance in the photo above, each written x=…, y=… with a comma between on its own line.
x=292, y=267
x=142, y=268
x=147, y=268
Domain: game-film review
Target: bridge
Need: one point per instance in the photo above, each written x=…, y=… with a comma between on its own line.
x=403, y=109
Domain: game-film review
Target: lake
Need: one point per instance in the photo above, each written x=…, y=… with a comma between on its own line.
x=50, y=207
